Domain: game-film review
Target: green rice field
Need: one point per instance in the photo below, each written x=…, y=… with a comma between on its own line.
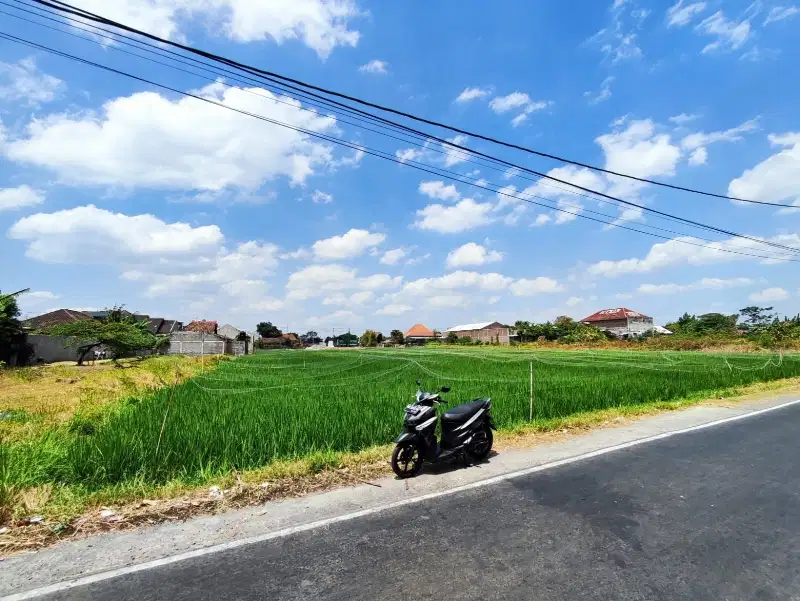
x=243, y=414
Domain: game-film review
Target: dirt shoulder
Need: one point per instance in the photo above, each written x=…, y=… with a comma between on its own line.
x=123, y=510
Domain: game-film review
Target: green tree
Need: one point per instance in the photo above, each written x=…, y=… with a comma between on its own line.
x=12, y=337
x=369, y=338
x=267, y=330
x=397, y=337
x=311, y=337
x=125, y=336
x=755, y=318
x=452, y=338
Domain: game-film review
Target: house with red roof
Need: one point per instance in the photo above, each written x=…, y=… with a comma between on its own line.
x=419, y=334
x=621, y=322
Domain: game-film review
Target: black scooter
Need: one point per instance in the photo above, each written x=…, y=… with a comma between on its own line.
x=466, y=433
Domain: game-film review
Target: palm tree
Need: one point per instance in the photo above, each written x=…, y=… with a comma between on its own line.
x=12, y=337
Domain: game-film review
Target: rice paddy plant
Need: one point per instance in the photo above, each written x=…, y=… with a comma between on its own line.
x=246, y=413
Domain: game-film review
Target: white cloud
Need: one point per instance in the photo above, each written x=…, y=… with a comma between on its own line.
x=699, y=156
x=322, y=25
x=603, y=94
x=19, y=197
x=340, y=319
x=393, y=256
x=769, y=295
x=418, y=260
x=299, y=254
x=320, y=280
x=453, y=156
x=465, y=215
x=683, y=118
x=493, y=300
x=617, y=41
x=779, y=13
x=357, y=298
x=472, y=94
x=42, y=295
x=439, y=190
x=22, y=82
x=89, y=234
x=147, y=140
x=730, y=35
x=639, y=150
x=394, y=309
x=347, y=246
x=572, y=301
x=472, y=254
x=776, y=178
x=409, y=154
x=704, y=284
x=542, y=219
x=680, y=14
x=457, y=280
x=503, y=104
x=692, y=251
x=540, y=285
x=320, y=197
x=375, y=66
x=702, y=139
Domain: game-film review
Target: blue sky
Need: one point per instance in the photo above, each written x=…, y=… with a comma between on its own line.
x=113, y=191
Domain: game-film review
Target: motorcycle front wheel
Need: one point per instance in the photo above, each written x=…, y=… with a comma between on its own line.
x=481, y=444
x=406, y=460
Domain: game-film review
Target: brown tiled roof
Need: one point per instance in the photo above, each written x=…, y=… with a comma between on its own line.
x=609, y=314
x=57, y=317
x=202, y=325
x=419, y=330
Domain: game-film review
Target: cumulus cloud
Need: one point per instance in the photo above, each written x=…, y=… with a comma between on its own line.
x=769, y=295
x=470, y=94
x=393, y=256
x=683, y=118
x=776, y=178
x=463, y=216
x=341, y=319
x=697, y=143
x=357, y=298
x=536, y=286
x=22, y=82
x=686, y=250
x=472, y=254
x=517, y=101
x=375, y=66
x=349, y=245
x=320, y=197
x=322, y=25
x=147, y=140
x=321, y=280
x=394, y=309
x=704, y=284
x=19, y=197
x=438, y=190
x=680, y=14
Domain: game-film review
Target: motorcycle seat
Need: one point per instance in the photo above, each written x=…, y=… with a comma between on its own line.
x=462, y=413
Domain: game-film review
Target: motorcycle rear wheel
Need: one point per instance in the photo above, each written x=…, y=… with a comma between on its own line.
x=407, y=460
x=481, y=445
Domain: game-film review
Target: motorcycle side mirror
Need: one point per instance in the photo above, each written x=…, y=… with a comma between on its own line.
x=445, y=389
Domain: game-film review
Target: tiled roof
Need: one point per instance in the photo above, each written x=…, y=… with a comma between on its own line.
x=202, y=325
x=419, y=330
x=57, y=317
x=609, y=314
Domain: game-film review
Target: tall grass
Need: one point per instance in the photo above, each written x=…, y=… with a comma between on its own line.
x=247, y=413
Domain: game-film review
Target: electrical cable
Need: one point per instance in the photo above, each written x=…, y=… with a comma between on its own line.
x=65, y=7
x=370, y=151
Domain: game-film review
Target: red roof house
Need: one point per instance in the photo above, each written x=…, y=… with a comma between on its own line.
x=202, y=325
x=612, y=314
x=620, y=322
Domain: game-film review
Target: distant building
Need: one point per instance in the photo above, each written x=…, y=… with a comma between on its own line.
x=419, y=334
x=53, y=318
x=488, y=332
x=621, y=322
x=202, y=325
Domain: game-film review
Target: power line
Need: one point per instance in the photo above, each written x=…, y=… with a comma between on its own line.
x=257, y=72
x=373, y=152
x=65, y=7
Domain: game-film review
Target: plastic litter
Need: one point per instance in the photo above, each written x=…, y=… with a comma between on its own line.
x=215, y=493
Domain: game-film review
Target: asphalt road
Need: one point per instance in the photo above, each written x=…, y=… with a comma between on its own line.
x=713, y=514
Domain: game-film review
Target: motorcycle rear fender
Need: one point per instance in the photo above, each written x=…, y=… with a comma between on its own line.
x=408, y=437
x=490, y=422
